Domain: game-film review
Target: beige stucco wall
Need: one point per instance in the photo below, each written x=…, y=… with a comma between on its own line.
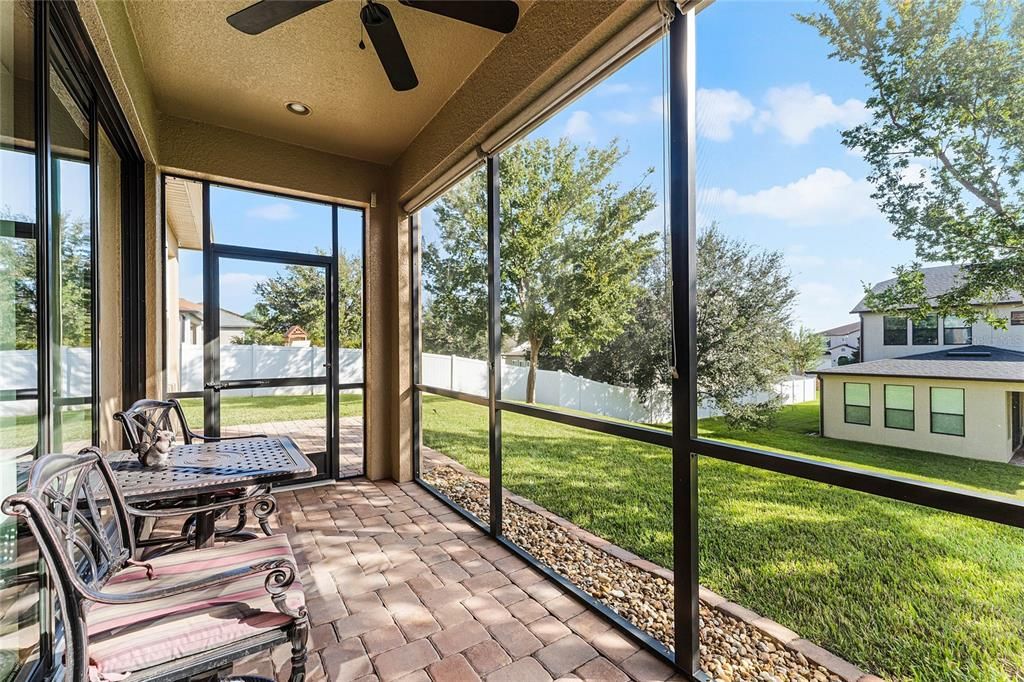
x=987, y=422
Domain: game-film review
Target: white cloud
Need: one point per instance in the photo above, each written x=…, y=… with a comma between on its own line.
x=625, y=118
x=579, y=125
x=653, y=112
x=718, y=111
x=236, y=290
x=796, y=111
x=824, y=198
x=799, y=256
x=273, y=212
x=615, y=89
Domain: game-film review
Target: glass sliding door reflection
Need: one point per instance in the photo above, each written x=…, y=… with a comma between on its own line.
x=71, y=279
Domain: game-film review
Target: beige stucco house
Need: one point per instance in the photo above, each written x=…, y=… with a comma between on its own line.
x=939, y=385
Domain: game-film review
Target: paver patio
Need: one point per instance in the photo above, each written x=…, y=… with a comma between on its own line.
x=401, y=587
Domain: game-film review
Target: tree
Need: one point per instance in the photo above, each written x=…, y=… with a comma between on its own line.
x=945, y=139
x=570, y=253
x=18, y=270
x=639, y=357
x=744, y=302
x=803, y=350
x=299, y=297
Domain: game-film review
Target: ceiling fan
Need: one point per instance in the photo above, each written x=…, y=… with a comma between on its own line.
x=496, y=15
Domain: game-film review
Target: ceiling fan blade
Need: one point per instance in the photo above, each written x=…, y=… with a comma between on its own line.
x=497, y=15
x=383, y=32
x=265, y=14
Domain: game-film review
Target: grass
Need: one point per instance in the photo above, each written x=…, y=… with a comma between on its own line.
x=906, y=592
x=237, y=411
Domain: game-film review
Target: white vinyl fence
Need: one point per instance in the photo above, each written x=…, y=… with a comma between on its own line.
x=443, y=371
x=578, y=393
x=269, y=362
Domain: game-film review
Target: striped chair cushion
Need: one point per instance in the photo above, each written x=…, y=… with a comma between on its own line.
x=130, y=637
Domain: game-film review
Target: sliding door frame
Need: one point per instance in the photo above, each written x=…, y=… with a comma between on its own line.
x=213, y=250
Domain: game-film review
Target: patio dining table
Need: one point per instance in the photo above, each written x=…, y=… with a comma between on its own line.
x=200, y=470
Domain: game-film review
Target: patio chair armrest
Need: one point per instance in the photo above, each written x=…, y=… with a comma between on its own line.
x=280, y=572
x=226, y=503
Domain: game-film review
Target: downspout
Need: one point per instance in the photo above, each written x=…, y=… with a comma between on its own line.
x=821, y=406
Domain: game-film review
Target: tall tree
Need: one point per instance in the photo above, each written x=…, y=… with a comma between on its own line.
x=18, y=274
x=744, y=304
x=298, y=296
x=803, y=349
x=945, y=140
x=570, y=251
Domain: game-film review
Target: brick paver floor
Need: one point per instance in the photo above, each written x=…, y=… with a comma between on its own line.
x=311, y=436
x=399, y=587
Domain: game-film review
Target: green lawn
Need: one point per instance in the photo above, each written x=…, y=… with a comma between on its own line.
x=906, y=592
x=21, y=431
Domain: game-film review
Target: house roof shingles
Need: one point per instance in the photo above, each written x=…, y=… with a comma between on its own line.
x=937, y=281
x=982, y=363
x=842, y=330
x=227, y=318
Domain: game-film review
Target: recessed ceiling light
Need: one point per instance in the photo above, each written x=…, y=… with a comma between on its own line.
x=298, y=108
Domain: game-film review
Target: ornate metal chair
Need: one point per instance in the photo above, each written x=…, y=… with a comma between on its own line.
x=144, y=419
x=179, y=616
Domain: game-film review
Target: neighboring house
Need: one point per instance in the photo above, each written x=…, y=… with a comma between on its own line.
x=296, y=336
x=232, y=325
x=842, y=345
x=939, y=385
x=518, y=356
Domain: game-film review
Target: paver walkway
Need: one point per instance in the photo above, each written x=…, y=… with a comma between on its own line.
x=399, y=587
x=311, y=436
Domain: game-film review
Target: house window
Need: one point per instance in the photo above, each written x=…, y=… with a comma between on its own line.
x=899, y=407
x=1017, y=318
x=956, y=332
x=926, y=331
x=894, y=330
x=948, y=411
x=857, y=403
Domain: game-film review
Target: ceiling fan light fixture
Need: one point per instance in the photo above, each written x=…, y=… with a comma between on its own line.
x=298, y=108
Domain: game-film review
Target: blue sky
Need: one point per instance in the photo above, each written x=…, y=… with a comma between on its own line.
x=771, y=168
x=268, y=222
x=770, y=165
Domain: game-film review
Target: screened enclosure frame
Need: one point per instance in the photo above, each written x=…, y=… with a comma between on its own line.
x=683, y=440
x=212, y=252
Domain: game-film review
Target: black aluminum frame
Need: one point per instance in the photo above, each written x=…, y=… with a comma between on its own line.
x=61, y=40
x=886, y=409
x=213, y=251
x=686, y=445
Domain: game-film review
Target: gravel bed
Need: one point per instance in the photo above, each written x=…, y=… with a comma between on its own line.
x=731, y=651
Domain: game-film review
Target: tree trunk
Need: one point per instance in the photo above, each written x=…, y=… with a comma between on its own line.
x=531, y=376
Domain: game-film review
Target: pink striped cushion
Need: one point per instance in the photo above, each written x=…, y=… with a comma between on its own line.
x=132, y=637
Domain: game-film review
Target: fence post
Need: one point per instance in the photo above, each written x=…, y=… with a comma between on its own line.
x=451, y=372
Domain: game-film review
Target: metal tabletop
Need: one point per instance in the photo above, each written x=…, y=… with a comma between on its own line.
x=203, y=468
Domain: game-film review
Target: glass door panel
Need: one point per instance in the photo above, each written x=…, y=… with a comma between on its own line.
x=72, y=276
x=272, y=371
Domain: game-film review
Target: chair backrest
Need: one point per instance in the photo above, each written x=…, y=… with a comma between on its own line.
x=145, y=417
x=74, y=508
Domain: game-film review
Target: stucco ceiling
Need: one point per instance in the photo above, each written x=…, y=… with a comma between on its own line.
x=202, y=69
